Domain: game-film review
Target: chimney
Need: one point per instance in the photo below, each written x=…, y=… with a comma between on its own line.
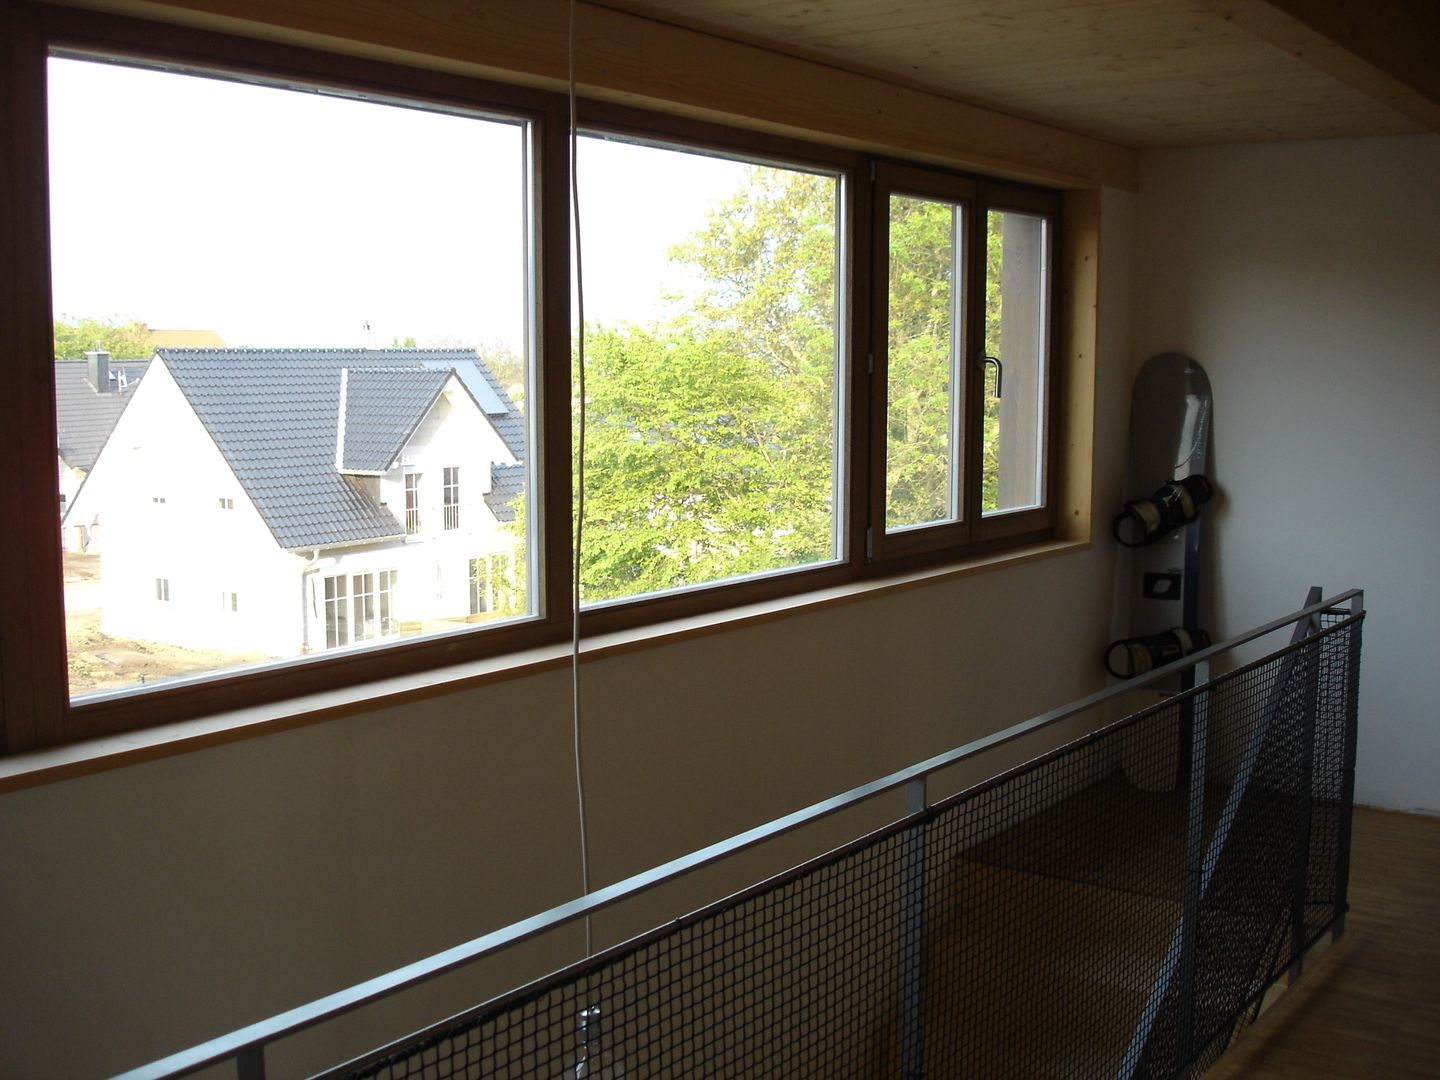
x=97, y=369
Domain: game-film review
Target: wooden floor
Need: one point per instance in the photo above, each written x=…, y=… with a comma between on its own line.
x=1370, y=1007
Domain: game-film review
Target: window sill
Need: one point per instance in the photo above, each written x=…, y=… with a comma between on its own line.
x=39, y=767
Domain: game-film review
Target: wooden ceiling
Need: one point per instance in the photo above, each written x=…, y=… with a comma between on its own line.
x=1137, y=73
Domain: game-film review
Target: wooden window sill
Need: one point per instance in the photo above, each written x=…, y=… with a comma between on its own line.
x=38, y=767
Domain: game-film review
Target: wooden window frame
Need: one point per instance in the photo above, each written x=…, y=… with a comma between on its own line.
x=35, y=710
x=975, y=532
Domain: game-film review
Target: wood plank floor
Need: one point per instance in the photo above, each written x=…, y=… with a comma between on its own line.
x=1370, y=1007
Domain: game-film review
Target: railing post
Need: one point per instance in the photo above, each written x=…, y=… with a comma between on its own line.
x=1305, y=805
x=912, y=1026
x=250, y=1063
x=1197, y=708
x=1347, y=790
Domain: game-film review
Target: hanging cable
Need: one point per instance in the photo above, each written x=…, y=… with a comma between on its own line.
x=579, y=482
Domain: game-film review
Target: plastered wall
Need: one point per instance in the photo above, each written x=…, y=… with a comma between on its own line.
x=1306, y=278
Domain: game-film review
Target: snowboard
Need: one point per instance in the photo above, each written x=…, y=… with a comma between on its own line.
x=1162, y=521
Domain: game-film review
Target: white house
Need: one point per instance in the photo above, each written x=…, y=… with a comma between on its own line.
x=283, y=501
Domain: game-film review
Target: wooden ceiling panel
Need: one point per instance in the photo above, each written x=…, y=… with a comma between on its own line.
x=1138, y=73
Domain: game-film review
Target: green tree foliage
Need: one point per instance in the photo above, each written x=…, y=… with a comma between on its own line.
x=123, y=339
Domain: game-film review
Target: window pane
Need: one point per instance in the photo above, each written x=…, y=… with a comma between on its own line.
x=292, y=312
x=712, y=331
x=925, y=363
x=1015, y=336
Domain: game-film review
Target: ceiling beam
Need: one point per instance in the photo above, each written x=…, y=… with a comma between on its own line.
x=634, y=60
x=1388, y=50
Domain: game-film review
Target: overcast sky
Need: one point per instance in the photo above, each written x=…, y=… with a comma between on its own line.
x=281, y=218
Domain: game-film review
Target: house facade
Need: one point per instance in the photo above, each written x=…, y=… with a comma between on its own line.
x=277, y=502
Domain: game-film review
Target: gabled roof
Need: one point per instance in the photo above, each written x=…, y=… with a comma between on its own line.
x=84, y=418
x=380, y=410
x=274, y=415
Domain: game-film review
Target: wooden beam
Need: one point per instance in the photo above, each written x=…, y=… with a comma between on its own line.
x=1388, y=50
x=1077, y=324
x=629, y=59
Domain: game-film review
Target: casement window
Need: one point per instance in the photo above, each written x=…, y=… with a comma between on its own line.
x=412, y=502
x=450, y=497
x=961, y=348
x=802, y=366
x=162, y=589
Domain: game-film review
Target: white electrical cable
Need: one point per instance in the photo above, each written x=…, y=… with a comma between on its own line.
x=579, y=482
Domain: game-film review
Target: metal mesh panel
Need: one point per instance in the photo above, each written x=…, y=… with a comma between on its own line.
x=1112, y=909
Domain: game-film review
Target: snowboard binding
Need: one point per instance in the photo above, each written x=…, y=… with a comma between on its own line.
x=1129, y=657
x=1177, y=503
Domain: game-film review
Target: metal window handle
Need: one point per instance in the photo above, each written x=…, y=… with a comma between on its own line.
x=999, y=372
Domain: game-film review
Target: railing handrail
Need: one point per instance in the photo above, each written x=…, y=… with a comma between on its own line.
x=254, y=1037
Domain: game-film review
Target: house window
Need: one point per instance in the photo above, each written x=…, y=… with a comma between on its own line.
x=337, y=611
x=227, y=504
x=162, y=589
x=230, y=602
x=359, y=607
x=412, y=502
x=158, y=500
x=492, y=584
x=450, y=496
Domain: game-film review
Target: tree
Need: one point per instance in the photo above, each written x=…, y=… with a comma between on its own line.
x=710, y=442
x=700, y=464
x=123, y=339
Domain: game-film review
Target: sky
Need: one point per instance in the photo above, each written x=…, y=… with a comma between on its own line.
x=294, y=219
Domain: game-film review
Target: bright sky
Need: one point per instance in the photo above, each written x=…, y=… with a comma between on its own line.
x=282, y=218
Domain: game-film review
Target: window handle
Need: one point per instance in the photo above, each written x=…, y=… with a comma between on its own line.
x=999, y=372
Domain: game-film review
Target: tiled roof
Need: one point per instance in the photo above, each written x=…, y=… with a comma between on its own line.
x=84, y=418
x=274, y=414
x=506, y=484
x=381, y=408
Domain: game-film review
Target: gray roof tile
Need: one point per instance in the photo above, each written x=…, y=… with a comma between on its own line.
x=274, y=414
x=382, y=407
x=84, y=418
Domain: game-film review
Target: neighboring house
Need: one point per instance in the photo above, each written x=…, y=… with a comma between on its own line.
x=288, y=500
x=184, y=339
x=90, y=395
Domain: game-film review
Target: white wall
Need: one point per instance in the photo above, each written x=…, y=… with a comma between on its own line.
x=1305, y=277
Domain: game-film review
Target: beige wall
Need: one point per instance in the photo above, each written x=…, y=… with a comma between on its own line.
x=153, y=906
x=1306, y=278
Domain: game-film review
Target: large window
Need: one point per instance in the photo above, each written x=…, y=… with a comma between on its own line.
x=714, y=341
x=347, y=305
x=328, y=331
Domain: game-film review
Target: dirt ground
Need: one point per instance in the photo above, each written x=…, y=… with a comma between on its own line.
x=101, y=662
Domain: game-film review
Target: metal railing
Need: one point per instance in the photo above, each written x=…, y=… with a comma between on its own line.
x=1106, y=909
